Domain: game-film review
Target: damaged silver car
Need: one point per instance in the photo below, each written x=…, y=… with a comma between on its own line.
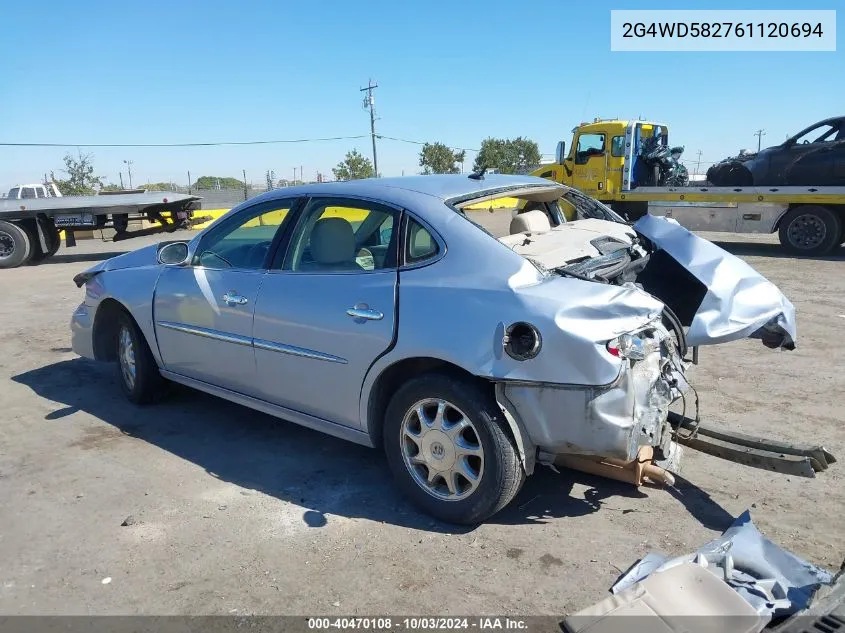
x=379, y=312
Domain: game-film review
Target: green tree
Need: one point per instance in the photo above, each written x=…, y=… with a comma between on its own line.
x=81, y=180
x=437, y=158
x=211, y=182
x=509, y=156
x=111, y=187
x=157, y=186
x=353, y=167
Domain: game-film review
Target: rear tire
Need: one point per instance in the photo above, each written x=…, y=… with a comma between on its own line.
x=137, y=370
x=441, y=428
x=810, y=230
x=16, y=247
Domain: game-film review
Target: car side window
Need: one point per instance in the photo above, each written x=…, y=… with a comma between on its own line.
x=244, y=243
x=588, y=145
x=420, y=245
x=821, y=134
x=343, y=235
x=28, y=192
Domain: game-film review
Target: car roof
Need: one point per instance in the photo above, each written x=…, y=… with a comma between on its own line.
x=441, y=186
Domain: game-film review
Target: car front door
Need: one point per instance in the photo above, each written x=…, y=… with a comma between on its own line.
x=204, y=311
x=327, y=309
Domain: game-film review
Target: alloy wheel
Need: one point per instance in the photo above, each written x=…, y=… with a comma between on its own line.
x=126, y=357
x=441, y=449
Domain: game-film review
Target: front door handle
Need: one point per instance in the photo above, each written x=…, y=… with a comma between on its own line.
x=230, y=298
x=363, y=311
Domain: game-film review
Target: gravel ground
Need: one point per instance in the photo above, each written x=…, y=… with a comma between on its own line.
x=232, y=511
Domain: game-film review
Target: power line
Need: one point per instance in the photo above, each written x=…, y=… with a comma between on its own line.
x=209, y=144
x=405, y=140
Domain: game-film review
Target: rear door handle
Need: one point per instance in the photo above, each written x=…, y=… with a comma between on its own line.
x=230, y=298
x=362, y=311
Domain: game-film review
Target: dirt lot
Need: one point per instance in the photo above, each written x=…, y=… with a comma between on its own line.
x=237, y=512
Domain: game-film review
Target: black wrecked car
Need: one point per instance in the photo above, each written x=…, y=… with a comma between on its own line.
x=815, y=156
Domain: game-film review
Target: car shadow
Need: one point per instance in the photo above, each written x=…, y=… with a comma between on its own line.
x=322, y=474
x=756, y=249
x=72, y=258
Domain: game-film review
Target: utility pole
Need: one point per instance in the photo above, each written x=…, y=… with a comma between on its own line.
x=697, y=163
x=759, y=134
x=246, y=197
x=294, y=176
x=129, y=167
x=301, y=174
x=369, y=104
x=189, y=182
x=121, y=179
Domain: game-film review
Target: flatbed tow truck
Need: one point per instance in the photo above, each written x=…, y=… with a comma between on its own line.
x=603, y=163
x=31, y=217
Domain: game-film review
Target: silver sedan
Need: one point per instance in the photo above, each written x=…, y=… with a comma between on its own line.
x=379, y=312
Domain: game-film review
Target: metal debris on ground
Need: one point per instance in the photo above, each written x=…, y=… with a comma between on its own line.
x=773, y=581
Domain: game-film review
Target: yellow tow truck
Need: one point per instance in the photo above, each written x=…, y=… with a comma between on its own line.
x=604, y=161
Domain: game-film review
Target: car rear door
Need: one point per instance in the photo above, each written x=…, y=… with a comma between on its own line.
x=328, y=308
x=204, y=311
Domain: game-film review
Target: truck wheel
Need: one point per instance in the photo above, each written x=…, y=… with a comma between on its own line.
x=448, y=446
x=136, y=368
x=810, y=230
x=15, y=245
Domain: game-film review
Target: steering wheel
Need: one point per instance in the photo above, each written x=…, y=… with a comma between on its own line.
x=258, y=253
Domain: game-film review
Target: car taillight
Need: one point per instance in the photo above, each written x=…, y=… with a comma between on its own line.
x=627, y=346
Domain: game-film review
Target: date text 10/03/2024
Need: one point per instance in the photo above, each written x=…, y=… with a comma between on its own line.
x=484, y=623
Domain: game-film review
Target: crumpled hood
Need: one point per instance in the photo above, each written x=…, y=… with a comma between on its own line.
x=739, y=301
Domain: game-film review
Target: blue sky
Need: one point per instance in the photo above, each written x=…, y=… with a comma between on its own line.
x=456, y=72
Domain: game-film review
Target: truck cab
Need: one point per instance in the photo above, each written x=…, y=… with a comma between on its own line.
x=602, y=160
x=22, y=192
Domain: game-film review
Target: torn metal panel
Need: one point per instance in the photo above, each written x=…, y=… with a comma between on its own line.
x=739, y=302
x=773, y=581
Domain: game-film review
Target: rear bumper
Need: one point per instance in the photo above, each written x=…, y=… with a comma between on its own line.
x=82, y=332
x=609, y=421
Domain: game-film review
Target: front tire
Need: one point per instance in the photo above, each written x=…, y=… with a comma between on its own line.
x=137, y=370
x=450, y=450
x=810, y=230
